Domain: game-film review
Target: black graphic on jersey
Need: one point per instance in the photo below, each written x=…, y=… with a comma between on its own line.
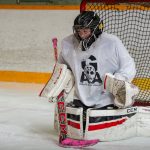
x=90, y=74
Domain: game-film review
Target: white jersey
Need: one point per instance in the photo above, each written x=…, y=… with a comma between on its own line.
x=106, y=55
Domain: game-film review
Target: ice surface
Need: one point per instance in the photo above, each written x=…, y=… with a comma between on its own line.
x=26, y=122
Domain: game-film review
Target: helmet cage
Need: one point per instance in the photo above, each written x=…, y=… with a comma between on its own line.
x=91, y=20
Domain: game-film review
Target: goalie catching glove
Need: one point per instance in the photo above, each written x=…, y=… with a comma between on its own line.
x=62, y=79
x=123, y=91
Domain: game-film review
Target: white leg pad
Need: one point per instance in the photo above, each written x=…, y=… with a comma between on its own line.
x=118, y=124
x=143, y=121
x=111, y=125
x=74, y=122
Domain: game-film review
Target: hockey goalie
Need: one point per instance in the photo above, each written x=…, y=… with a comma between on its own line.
x=75, y=127
x=98, y=69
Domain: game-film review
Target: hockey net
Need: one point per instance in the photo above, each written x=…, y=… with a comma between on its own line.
x=130, y=21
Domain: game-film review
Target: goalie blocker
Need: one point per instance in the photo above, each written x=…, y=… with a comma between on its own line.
x=62, y=79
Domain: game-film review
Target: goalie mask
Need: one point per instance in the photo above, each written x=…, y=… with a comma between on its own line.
x=88, y=20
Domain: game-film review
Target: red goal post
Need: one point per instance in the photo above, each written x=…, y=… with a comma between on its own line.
x=130, y=21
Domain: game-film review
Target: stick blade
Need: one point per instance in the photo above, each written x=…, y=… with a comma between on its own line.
x=74, y=143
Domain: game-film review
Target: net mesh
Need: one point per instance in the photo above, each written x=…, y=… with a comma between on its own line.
x=131, y=23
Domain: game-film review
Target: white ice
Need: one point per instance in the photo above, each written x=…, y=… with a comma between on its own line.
x=26, y=122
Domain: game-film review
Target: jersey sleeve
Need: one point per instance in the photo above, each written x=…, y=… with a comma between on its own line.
x=126, y=62
x=61, y=58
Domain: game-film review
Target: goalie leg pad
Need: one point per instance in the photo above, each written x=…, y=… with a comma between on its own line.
x=110, y=125
x=143, y=121
x=74, y=122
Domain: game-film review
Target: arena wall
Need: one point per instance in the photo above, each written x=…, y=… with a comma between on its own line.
x=26, y=51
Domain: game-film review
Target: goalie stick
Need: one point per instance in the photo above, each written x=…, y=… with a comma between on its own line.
x=64, y=141
x=54, y=41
